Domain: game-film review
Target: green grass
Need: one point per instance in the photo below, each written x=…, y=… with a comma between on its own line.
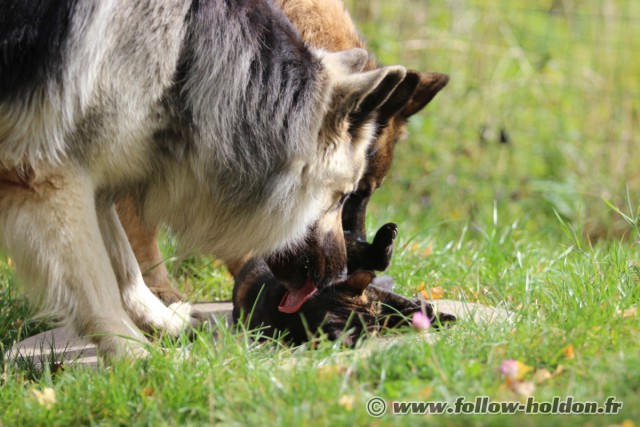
x=523, y=224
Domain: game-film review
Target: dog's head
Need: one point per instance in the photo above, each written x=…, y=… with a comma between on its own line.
x=354, y=102
x=414, y=93
x=368, y=114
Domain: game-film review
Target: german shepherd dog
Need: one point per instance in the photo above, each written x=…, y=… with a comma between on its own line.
x=327, y=25
x=213, y=115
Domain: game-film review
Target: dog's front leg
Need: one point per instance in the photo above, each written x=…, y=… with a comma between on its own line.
x=50, y=227
x=144, y=308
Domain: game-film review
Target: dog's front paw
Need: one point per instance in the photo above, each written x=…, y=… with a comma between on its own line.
x=167, y=293
x=381, y=249
x=183, y=318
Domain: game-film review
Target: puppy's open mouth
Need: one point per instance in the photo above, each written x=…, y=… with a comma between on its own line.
x=293, y=300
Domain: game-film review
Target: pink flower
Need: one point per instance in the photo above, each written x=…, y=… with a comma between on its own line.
x=420, y=321
x=509, y=368
x=514, y=369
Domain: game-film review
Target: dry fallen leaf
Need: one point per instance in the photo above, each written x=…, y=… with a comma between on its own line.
x=523, y=388
x=425, y=393
x=514, y=369
x=428, y=250
x=328, y=371
x=625, y=423
x=346, y=402
x=542, y=375
x=629, y=312
x=46, y=397
x=569, y=352
x=434, y=293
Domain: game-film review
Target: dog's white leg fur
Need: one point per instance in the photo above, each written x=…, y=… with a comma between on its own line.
x=51, y=230
x=143, y=307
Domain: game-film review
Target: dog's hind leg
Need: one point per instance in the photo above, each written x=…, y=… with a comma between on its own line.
x=144, y=242
x=51, y=229
x=144, y=308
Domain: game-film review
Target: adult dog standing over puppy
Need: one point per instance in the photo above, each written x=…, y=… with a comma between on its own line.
x=213, y=114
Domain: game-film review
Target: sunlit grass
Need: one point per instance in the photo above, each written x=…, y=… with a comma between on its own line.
x=545, y=225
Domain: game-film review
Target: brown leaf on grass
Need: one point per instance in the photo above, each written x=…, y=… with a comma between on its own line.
x=425, y=393
x=46, y=397
x=148, y=391
x=427, y=251
x=523, y=388
x=629, y=312
x=625, y=423
x=542, y=375
x=346, y=401
x=57, y=368
x=328, y=371
x=514, y=369
x=434, y=293
x=569, y=352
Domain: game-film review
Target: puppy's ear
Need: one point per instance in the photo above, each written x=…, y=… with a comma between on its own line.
x=359, y=281
x=428, y=86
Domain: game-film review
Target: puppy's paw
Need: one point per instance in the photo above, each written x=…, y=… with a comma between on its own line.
x=439, y=319
x=381, y=249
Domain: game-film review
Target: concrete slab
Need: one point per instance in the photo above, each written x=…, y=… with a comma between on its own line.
x=62, y=345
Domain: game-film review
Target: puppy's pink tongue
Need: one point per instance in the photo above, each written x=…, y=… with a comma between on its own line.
x=292, y=300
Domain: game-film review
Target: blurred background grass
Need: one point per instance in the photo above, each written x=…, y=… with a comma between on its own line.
x=542, y=111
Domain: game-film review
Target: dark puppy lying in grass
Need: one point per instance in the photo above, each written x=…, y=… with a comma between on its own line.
x=346, y=310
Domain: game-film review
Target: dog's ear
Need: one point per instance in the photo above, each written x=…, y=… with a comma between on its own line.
x=383, y=94
x=401, y=95
x=357, y=96
x=429, y=84
x=346, y=61
x=359, y=281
